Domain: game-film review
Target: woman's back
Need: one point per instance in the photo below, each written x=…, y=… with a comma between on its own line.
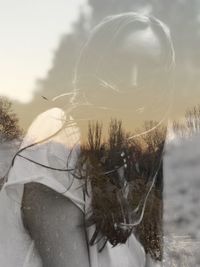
x=54, y=206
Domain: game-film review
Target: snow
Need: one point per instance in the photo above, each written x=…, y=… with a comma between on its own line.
x=181, y=202
x=7, y=151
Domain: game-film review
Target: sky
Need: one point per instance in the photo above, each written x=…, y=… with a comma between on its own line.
x=30, y=33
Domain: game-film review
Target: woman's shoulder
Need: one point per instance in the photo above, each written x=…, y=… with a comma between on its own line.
x=45, y=125
x=53, y=130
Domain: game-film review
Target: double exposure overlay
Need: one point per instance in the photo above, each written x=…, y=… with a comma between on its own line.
x=99, y=167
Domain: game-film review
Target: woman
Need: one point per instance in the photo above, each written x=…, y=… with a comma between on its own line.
x=122, y=74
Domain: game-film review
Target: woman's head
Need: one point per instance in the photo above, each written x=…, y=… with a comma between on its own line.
x=126, y=60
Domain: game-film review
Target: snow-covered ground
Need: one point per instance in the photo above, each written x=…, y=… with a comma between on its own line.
x=7, y=151
x=182, y=202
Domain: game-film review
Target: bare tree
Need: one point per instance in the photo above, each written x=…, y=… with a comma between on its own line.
x=9, y=132
x=94, y=136
x=190, y=125
x=143, y=156
x=192, y=119
x=151, y=143
x=9, y=127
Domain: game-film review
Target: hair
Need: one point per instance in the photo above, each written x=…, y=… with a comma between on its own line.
x=118, y=201
x=102, y=39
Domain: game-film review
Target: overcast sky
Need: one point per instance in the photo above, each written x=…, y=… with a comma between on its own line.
x=30, y=32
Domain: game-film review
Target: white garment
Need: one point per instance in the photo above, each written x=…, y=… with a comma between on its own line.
x=16, y=247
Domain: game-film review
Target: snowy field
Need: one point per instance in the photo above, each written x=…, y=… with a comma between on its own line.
x=7, y=151
x=182, y=203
